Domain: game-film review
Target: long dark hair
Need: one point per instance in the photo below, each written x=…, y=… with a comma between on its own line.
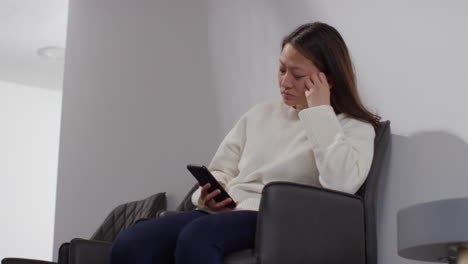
x=325, y=47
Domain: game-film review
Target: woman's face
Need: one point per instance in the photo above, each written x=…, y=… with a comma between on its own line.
x=294, y=69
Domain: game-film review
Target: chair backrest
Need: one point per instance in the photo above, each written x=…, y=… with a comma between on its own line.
x=368, y=190
x=186, y=204
x=128, y=214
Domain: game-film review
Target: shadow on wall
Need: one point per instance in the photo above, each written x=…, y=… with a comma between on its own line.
x=424, y=167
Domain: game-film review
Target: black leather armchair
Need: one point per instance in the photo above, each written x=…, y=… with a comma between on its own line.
x=329, y=228
x=313, y=225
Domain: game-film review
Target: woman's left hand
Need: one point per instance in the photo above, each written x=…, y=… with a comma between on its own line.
x=317, y=90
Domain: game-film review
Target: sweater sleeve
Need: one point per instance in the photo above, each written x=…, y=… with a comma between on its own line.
x=343, y=148
x=224, y=165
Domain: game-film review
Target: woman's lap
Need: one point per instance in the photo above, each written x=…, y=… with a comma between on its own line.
x=185, y=235
x=208, y=239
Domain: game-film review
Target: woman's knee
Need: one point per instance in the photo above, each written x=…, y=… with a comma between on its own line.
x=217, y=234
x=130, y=245
x=189, y=234
x=121, y=250
x=194, y=237
x=153, y=239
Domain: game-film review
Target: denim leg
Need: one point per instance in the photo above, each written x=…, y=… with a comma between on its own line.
x=152, y=241
x=208, y=239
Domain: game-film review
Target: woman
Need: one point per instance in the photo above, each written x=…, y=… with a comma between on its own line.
x=319, y=134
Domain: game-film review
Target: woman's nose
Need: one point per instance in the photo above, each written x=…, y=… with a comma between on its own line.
x=286, y=81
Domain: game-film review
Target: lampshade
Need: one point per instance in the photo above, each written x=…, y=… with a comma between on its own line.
x=433, y=231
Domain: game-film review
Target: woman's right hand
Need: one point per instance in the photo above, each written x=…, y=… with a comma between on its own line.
x=207, y=199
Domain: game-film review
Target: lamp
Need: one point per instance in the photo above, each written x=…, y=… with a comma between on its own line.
x=434, y=231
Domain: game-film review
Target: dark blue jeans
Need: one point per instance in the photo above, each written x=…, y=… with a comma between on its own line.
x=189, y=237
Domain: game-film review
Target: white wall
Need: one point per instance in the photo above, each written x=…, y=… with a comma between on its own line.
x=29, y=136
x=132, y=92
x=138, y=106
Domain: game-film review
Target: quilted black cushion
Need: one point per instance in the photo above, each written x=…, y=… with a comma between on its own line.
x=128, y=214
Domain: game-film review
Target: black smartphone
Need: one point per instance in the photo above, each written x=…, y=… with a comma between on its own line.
x=204, y=176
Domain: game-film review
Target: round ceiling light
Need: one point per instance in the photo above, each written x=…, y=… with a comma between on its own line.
x=52, y=53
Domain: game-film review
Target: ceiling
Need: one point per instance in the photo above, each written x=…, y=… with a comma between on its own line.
x=25, y=27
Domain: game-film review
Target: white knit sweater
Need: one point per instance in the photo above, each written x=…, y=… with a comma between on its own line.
x=275, y=142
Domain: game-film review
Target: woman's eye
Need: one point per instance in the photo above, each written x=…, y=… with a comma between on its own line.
x=282, y=71
x=298, y=77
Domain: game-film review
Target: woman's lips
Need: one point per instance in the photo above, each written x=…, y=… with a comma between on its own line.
x=287, y=95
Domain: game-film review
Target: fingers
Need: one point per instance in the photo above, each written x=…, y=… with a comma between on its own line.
x=326, y=83
x=213, y=205
x=323, y=78
x=212, y=195
x=204, y=190
x=209, y=201
x=312, y=83
x=317, y=90
x=207, y=197
x=316, y=81
x=308, y=84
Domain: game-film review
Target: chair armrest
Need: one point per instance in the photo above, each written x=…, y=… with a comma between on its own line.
x=24, y=261
x=166, y=213
x=83, y=251
x=305, y=224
